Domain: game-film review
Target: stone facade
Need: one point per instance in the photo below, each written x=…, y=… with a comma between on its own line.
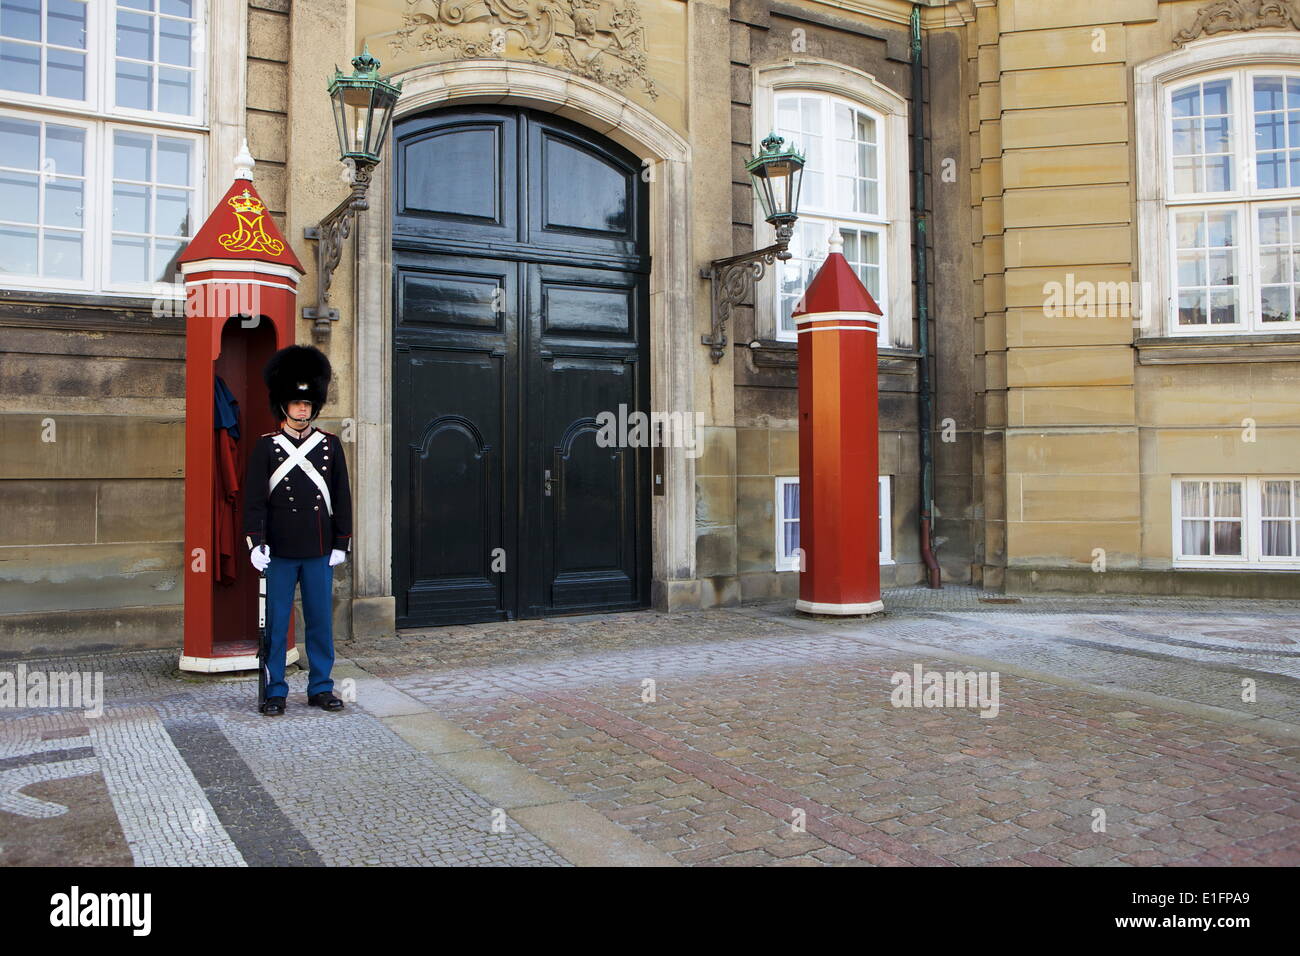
x=1056, y=440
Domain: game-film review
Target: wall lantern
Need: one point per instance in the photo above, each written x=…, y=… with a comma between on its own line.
x=776, y=173
x=363, y=111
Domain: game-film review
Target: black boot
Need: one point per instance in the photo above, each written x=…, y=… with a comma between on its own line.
x=273, y=707
x=325, y=700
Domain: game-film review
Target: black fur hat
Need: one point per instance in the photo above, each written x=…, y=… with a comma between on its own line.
x=297, y=373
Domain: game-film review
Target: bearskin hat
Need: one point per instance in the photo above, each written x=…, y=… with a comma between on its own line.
x=297, y=373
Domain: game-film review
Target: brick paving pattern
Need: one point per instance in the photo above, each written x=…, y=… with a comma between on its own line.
x=745, y=736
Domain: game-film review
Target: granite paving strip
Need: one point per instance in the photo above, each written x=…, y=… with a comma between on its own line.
x=165, y=815
x=260, y=830
x=362, y=797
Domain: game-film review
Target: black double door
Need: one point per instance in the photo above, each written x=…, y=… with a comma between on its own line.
x=520, y=316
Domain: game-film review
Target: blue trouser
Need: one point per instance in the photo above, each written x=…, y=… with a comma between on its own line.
x=317, y=579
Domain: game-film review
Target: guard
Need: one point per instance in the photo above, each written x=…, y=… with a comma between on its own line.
x=298, y=519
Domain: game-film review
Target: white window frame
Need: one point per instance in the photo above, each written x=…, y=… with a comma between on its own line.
x=1251, y=558
x=108, y=76
x=1242, y=57
x=884, y=491
x=886, y=506
x=98, y=115
x=784, y=562
x=862, y=91
x=94, y=66
x=106, y=201
x=91, y=230
x=97, y=208
x=101, y=73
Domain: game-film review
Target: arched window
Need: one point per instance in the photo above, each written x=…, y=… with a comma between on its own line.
x=853, y=132
x=841, y=188
x=1219, y=187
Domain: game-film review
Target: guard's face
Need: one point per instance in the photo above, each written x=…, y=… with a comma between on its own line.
x=299, y=410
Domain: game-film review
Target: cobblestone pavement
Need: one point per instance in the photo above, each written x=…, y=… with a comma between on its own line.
x=1123, y=732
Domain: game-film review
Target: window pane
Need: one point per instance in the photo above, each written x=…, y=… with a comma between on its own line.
x=1275, y=303
x=63, y=202
x=17, y=250
x=20, y=143
x=18, y=196
x=171, y=212
x=177, y=8
x=1207, y=268
x=134, y=85
x=808, y=251
x=1196, y=538
x=130, y=208
x=1200, y=135
x=174, y=90
x=165, y=254
x=1196, y=499
x=1277, y=499
x=20, y=67
x=65, y=148
x=1275, y=115
x=1227, y=499
x=131, y=159
x=63, y=254
x=130, y=259
x=1275, y=539
x=20, y=19
x=65, y=74
x=134, y=36
x=1277, y=255
x=65, y=23
x=790, y=518
x=174, y=161
x=174, y=42
x=1227, y=538
x=1192, y=308
x=1187, y=102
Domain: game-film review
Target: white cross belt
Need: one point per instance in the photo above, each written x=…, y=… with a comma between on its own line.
x=298, y=457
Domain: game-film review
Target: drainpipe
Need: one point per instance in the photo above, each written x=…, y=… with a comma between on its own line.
x=922, y=305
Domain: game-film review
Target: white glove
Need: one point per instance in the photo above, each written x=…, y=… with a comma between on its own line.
x=261, y=557
x=337, y=557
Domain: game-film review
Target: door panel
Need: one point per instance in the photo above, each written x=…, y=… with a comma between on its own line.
x=453, y=435
x=511, y=337
x=458, y=176
x=584, y=196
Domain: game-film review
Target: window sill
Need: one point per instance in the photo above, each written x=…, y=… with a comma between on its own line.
x=86, y=312
x=1218, y=349
x=774, y=353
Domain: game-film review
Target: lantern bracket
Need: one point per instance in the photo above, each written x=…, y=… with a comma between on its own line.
x=331, y=234
x=733, y=280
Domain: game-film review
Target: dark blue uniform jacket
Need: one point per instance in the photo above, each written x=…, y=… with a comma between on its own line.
x=292, y=517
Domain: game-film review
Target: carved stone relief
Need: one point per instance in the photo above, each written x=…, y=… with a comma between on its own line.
x=1234, y=15
x=601, y=40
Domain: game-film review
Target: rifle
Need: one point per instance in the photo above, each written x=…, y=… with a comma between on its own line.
x=263, y=641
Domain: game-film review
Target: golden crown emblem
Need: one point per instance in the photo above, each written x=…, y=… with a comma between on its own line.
x=249, y=235
x=246, y=202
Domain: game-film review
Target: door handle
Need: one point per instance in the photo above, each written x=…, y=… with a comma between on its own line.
x=546, y=482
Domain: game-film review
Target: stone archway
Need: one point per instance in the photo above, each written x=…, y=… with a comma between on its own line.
x=673, y=340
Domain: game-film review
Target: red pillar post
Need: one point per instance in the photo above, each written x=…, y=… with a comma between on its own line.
x=839, y=413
